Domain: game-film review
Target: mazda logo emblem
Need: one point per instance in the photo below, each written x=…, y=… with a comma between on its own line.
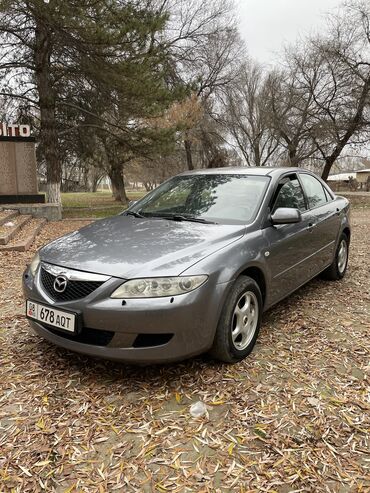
x=60, y=284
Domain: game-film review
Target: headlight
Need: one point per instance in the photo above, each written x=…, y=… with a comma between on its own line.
x=34, y=264
x=158, y=286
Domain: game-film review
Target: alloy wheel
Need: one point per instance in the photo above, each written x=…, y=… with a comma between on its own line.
x=244, y=320
x=342, y=256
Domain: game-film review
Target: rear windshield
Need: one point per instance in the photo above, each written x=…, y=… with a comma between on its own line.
x=223, y=198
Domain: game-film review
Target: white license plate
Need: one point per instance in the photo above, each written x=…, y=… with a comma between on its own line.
x=49, y=316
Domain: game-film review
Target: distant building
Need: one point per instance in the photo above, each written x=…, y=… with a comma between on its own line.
x=363, y=177
x=343, y=177
x=342, y=181
x=350, y=180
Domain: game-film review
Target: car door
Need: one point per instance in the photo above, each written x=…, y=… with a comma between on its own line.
x=325, y=220
x=289, y=244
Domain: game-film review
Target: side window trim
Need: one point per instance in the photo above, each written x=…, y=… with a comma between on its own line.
x=278, y=188
x=329, y=192
x=275, y=194
x=306, y=201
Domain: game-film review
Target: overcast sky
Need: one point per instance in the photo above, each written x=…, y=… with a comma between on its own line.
x=267, y=24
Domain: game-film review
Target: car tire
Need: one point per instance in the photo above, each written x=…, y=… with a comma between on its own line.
x=338, y=268
x=239, y=323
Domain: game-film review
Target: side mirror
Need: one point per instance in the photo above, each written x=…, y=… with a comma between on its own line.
x=286, y=215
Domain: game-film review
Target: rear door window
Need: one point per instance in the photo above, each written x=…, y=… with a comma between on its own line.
x=314, y=191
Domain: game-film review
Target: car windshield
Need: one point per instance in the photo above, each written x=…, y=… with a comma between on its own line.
x=218, y=198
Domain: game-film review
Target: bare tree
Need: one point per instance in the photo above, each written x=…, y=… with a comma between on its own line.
x=206, y=52
x=319, y=103
x=290, y=111
x=343, y=95
x=246, y=115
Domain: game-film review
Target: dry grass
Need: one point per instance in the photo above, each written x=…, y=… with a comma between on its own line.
x=294, y=416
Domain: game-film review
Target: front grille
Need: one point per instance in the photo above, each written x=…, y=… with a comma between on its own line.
x=75, y=289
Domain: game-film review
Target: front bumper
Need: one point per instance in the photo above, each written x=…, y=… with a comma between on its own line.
x=152, y=330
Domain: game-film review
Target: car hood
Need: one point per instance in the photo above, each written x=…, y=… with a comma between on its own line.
x=128, y=247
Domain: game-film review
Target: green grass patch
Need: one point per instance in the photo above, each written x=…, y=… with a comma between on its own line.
x=98, y=204
x=94, y=199
x=86, y=213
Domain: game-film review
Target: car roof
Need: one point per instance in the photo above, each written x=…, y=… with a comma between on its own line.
x=244, y=170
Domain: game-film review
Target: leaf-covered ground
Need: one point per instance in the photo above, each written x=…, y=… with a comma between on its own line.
x=294, y=416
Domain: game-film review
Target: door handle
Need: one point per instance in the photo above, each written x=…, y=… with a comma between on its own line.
x=310, y=226
x=338, y=211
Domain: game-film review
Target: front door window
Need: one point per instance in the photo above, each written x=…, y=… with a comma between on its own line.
x=290, y=194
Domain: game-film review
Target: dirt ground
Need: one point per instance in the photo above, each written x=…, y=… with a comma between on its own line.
x=294, y=416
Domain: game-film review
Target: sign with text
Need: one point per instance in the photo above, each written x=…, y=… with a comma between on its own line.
x=14, y=132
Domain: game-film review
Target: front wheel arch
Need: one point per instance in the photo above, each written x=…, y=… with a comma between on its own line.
x=347, y=232
x=257, y=274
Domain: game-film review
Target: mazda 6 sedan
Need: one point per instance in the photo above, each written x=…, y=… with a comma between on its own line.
x=190, y=268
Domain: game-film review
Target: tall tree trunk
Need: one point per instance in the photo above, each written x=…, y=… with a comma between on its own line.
x=114, y=189
x=48, y=130
x=292, y=153
x=95, y=181
x=257, y=154
x=329, y=161
x=118, y=184
x=353, y=126
x=189, y=156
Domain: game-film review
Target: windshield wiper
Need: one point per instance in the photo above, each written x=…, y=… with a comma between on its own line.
x=132, y=213
x=179, y=217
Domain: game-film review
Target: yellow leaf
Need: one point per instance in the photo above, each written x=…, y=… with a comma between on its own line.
x=71, y=488
x=231, y=448
x=260, y=432
x=337, y=402
x=42, y=463
x=161, y=488
x=45, y=399
x=150, y=449
x=116, y=430
x=348, y=419
x=278, y=462
x=178, y=397
x=217, y=403
x=41, y=423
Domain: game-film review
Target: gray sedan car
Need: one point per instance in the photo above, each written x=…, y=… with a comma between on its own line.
x=189, y=268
